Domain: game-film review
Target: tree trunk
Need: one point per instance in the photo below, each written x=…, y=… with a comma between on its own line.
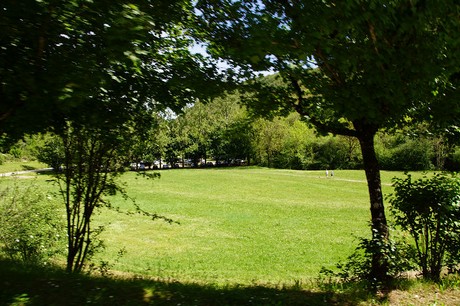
x=380, y=234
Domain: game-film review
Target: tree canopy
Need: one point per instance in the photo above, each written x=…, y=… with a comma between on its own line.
x=88, y=60
x=342, y=60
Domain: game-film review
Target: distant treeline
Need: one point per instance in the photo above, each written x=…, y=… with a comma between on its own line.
x=224, y=133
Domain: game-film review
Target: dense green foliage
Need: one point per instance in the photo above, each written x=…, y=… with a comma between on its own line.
x=31, y=230
x=93, y=72
x=282, y=142
x=223, y=131
x=428, y=208
x=90, y=60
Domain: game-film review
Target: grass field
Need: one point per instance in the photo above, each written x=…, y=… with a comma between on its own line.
x=238, y=225
x=25, y=165
x=241, y=225
x=245, y=236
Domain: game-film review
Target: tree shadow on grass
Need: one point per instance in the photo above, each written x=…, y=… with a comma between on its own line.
x=28, y=168
x=28, y=285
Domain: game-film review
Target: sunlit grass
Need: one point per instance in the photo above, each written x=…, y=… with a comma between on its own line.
x=24, y=165
x=238, y=225
x=247, y=236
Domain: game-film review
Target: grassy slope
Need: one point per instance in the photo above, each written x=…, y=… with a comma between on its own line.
x=239, y=225
x=21, y=166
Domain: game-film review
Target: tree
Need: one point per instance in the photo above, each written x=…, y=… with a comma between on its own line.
x=201, y=127
x=269, y=139
x=55, y=56
x=230, y=128
x=210, y=127
x=93, y=72
x=91, y=161
x=180, y=144
x=348, y=67
x=238, y=140
x=151, y=144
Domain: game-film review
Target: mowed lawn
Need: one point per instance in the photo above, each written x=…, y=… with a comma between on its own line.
x=247, y=236
x=238, y=225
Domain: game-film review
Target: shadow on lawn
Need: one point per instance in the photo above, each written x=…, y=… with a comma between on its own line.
x=26, y=285
x=28, y=168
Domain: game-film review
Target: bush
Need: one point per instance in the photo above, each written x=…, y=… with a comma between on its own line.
x=411, y=155
x=30, y=229
x=52, y=153
x=452, y=162
x=429, y=209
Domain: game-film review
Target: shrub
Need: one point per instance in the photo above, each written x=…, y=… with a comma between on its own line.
x=16, y=152
x=52, y=153
x=429, y=209
x=452, y=162
x=411, y=155
x=30, y=229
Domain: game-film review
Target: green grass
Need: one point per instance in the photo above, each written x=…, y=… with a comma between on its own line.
x=246, y=236
x=21, y=165
x=238, y=225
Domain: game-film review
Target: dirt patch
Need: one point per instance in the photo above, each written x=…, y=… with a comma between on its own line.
x=424, y=297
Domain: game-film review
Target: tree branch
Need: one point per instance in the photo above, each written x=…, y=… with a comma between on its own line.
x=326, y=67
x=298, y=107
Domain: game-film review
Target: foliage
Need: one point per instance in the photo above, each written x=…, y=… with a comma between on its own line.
x=150, y=144
x=280, y=142
x=93, y=72
x=28, y=147
x=31, y=230
x=219, y=130
x=453, y=160
x=397, y=152
x=270, y=136
x=61, y=60
x=336, y=153
x=52, y=153
x=428, y=208
x=240, y=137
